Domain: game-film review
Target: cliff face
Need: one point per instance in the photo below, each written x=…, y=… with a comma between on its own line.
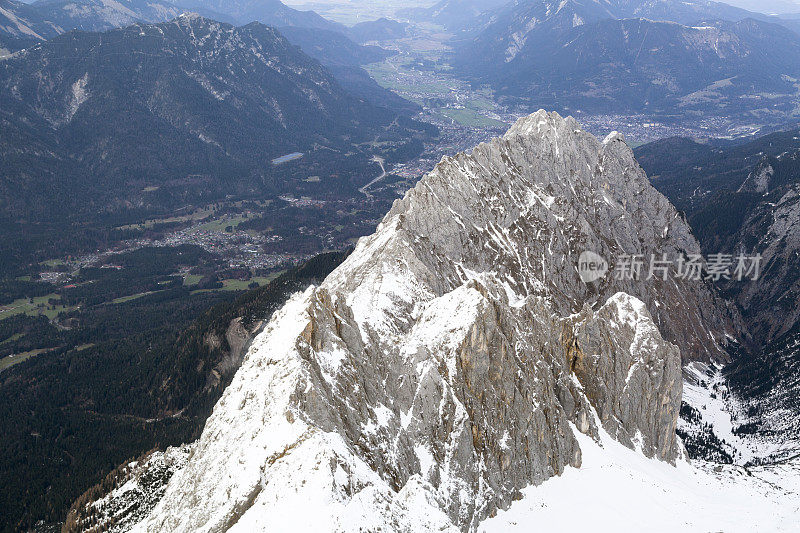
x=771, y=230
x=450, y=361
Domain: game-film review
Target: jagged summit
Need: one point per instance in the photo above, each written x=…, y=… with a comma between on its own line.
x=529, y=203
x=452, y=359
x=539, y=122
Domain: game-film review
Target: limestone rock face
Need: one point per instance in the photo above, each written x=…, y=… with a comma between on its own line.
x=630, y=374
x=771, y=230
x=451, y=359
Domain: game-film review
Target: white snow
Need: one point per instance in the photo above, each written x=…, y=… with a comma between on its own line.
x=383, y=415
x=544, y=199
x=426, y=461
x=710, y=396
x=614, y=136
x=446, y=321
x=504, y=440
x=330, y=361
x=617, y=489
x=630, y=310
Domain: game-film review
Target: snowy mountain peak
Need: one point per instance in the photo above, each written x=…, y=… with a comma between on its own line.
x=456, y=357
x=539, y=122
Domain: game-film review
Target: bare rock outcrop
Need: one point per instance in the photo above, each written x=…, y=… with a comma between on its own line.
x=450, y=360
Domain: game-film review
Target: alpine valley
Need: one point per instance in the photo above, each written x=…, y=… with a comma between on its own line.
x=218, y=102
x=370, y=266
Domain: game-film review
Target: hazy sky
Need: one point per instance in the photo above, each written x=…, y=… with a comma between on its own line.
x=768, y=6
x=387, y=6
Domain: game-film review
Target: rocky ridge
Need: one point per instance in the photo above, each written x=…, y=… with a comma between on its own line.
x=451, y=360
x=132, y=491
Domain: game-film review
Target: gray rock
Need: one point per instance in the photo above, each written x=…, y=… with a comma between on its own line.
x=447, y=363
x=771, y=230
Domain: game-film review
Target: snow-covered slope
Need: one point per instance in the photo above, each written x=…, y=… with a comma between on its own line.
x=714, y=420
x=131, y=492
x=617, y=489
x=456, y=358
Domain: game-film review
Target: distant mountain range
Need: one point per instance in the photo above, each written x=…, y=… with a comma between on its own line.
x=99, y=15
x=523, y=16
x=23, y=24
x=452, y=14
x=382, y=29
x=615, y=57
x=162, y=114
x=270, y=12
x=46, y=18
x=332, y=47
x=690, y=173
x=275, y=13
x=683, y=11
